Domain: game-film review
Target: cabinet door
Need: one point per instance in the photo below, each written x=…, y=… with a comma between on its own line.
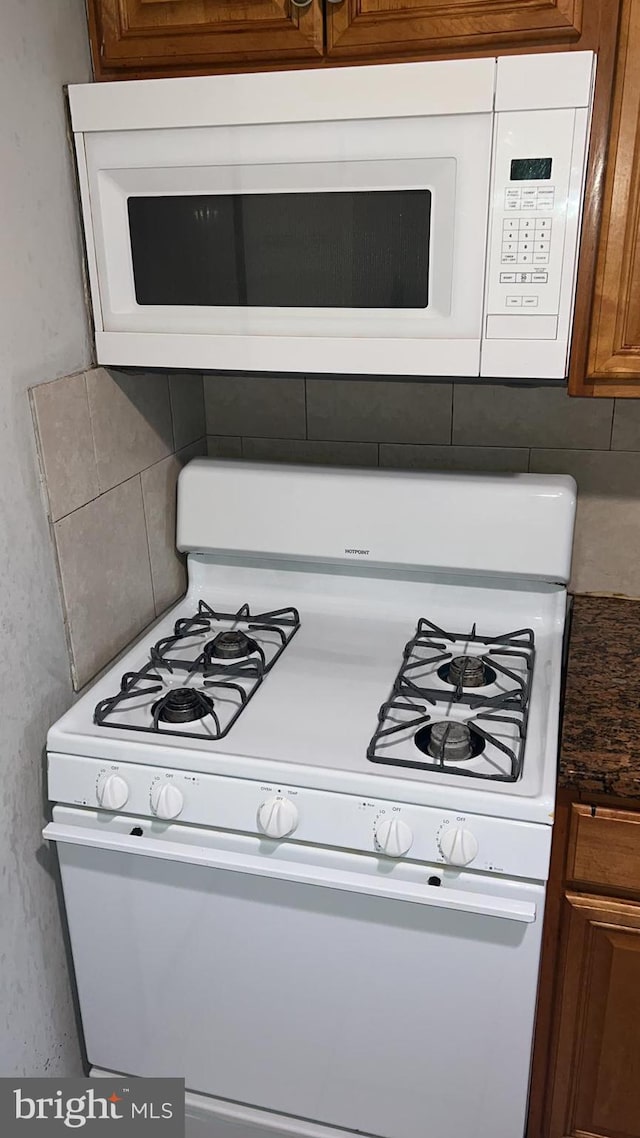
x=155, y=37
x=595, y=1087
x=613, y=366
x=358, y=28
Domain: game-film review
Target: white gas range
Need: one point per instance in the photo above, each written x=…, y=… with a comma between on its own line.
x=304, y=824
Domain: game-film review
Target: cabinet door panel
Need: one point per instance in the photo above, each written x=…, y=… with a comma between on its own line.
x=614, y=348
x=147, y=37
x=596, y=1083
x=386, y=27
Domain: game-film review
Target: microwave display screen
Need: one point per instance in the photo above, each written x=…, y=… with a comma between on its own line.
x=340, y=249
x=530, y=169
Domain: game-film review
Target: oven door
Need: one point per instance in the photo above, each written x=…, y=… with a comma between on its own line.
x=356, y=245
x=328, y=986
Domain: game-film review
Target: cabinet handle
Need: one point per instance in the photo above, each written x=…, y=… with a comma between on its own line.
x=301, y=3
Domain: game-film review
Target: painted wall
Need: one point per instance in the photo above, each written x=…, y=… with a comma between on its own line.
x=43, y=334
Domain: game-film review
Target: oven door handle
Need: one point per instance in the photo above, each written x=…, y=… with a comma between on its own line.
x=304, y=873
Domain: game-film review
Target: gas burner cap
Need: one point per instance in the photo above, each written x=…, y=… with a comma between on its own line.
x=467, y=672
x=449, y=741
x=232, y=644
x=182, y=705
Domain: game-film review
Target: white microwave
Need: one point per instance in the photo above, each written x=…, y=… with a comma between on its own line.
x=408, y=219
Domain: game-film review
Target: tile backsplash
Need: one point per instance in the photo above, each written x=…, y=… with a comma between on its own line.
x=111, y=446
x=444, y=426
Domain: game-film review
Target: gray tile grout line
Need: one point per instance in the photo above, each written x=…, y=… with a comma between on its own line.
x=93, y=434
x=613, y=419
x=173, y=421
x=146, y=536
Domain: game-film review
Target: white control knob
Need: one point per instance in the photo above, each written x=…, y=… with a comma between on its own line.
x=166, y=800
x=459, y=847
x=394, y=837
x=112, y=791
x=278, y=817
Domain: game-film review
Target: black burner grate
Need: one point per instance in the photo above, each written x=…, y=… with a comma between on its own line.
x=220, y=676
x=428, y=649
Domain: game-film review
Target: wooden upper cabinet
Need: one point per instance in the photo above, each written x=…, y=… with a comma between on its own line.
x=136, y=38
x=612, y=366
x=371, y=28
x=595, y=1089
x=163, y=37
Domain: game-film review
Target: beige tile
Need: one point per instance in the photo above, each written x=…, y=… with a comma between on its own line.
x=106, y=577
x=271, y=407
x=410, y=457
x=379, y=410
x=131, y=421
x=159, y=483
x=606, y=556
x=626, y=425
x=315, y=451
x=224, y=446
x=61, y=412
x=491, y=415
x=187, y=407
x=168, y=572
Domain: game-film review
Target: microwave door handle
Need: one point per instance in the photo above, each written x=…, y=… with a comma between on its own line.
x=305, y=874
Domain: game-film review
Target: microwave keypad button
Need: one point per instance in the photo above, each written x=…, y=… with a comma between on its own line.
x=542, y=246
x=539, y=278
x=510, y=246
x=543, y=223
x=529, y=203
x=523, y=278
x=513, y=205
x=512, y=195
x=530, y=194
x=509, y=258
x=541, y=258
x=527, y=223
x=525, y=258
x=508, y=278
x=510, y=224
x=529, y=302
x=525, y=246
x=514, y=302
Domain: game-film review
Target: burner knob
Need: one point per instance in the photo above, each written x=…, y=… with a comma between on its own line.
x=166, y=800
x=394, y=837
x=459, y=847
x=278, y=817
x=112, y=792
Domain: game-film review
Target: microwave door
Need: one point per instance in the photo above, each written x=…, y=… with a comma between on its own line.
x=339, y=247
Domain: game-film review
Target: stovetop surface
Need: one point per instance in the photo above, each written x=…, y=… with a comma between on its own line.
x=313, y=716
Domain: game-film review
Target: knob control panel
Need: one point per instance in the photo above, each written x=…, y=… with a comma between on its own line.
x=422, y=833
x=393, y=837
x=278, y=817
x=112, y=791
x=167, y=801
x=458, y=846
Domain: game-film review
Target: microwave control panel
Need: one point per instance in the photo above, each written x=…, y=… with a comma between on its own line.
x=533, y=188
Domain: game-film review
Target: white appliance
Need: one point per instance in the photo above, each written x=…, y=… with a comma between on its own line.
x=407, y=219
x=304, y=824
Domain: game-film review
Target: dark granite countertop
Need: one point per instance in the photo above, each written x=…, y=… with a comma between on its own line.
x=600, y=750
